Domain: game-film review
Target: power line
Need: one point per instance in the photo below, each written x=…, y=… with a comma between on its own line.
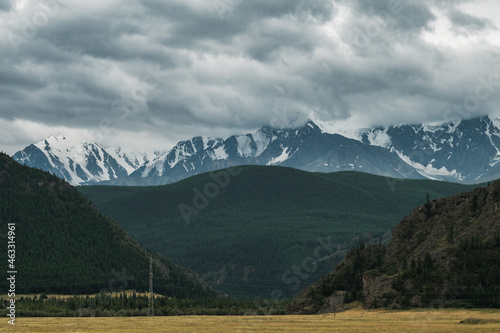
x=151, y=309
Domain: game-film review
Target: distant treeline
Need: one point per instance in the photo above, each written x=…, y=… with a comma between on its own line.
x=123, y=305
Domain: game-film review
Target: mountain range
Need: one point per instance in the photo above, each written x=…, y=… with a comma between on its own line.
x=466, y=151
x=80, y=163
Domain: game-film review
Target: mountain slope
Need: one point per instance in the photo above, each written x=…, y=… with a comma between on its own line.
x=445, y=253
x=248, y=231
x=75, y=163
x=80, y=163
x=65, y=245
x=306, y=148
x=467, y=151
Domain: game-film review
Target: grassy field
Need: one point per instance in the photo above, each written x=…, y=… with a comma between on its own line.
x=356, y=320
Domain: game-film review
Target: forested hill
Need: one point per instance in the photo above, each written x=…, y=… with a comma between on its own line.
x=445, y=253
x=65, y=245
x=247, y=233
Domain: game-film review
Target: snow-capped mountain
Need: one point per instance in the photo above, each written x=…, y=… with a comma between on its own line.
x=78, y=163
x=133, y=160
x=466, y=151
x=307, y=148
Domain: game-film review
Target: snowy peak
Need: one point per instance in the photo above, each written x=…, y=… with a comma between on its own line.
x=196, y=149
x=306, y=147
x=202, y=154
x=466, y=150
x=77, y=163
x=131, y=161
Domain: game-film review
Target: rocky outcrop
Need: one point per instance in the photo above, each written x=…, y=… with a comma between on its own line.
x=335, y=303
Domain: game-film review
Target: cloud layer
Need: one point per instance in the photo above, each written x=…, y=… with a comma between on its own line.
x=153, y=72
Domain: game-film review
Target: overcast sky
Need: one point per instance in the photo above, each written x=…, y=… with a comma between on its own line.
x=146, y=74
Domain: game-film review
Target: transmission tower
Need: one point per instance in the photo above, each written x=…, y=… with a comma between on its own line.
x=151, y=307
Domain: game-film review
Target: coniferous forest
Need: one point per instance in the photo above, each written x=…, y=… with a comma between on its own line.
x=250, y=238
x=64, y=245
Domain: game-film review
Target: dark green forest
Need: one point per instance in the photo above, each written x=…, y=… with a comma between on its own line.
x=256, y=232
x=64, y=245
x=126, y=305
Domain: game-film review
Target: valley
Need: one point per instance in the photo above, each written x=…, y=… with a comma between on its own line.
x=270, y=231
x=250, y=166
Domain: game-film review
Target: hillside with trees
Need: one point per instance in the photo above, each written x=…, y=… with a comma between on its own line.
x=64, y=245
x=261, y=231
x=445, y=253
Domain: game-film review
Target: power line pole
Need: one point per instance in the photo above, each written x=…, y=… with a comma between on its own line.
x=151, y=307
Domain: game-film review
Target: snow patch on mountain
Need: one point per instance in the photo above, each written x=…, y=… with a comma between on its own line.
x=493, y=133
x=262, y=141
x=244, y=145
x=130, y=161
x=78, y=162
x=281, y=158
x=429, y=171
x=379, y=138
x=154, y=167
x=219, y=153
x=341, y=128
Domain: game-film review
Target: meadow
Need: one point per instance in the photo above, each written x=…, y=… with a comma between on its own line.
x=354, y=320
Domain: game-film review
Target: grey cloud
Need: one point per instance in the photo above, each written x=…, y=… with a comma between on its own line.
x=5, y=5
x=16, y=79
x=401, y=15
x=469, y=22
x=224, y=66
x=238, y=18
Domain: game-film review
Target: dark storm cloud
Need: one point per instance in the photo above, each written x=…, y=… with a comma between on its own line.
x=231, y=65
x=265, y=24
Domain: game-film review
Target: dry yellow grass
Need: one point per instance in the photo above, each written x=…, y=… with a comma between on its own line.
x=356, y=320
